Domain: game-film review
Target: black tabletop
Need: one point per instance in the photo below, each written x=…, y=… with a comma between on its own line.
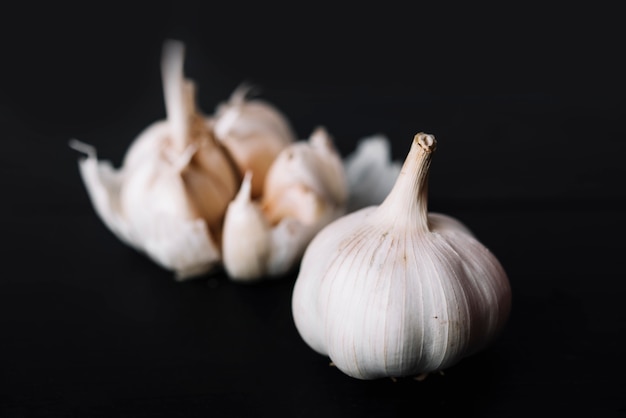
x=528, y=109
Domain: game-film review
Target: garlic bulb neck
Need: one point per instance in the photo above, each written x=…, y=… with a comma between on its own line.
x=408, y=199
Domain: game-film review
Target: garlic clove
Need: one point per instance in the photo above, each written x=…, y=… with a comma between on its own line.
x=247, y=235
x=298, y=202
x=306, y=176
x=254, y=132
x=211, y=182
x=254, y=249
x=392, y=290
x=370, y=172
x=304, y=190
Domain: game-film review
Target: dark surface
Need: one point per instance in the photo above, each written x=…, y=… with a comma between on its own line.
x=528, y=108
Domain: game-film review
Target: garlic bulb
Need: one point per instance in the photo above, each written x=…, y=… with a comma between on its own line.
x=392, y=290
x=170, y=195
x=304, y=190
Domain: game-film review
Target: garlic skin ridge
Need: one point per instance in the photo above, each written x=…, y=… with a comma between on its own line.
x=392, y=290
x=169, y=197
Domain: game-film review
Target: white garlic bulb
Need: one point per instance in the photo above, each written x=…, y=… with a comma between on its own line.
x=170, y=195
x=304, y=190
x=392, y=290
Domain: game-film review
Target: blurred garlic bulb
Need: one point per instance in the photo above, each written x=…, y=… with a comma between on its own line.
x=170, y=195
x=392, y=290
x=254, y=132
x=304, y=190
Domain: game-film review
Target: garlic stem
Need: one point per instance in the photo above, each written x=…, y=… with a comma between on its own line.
x=177, y=103
x=410, y=192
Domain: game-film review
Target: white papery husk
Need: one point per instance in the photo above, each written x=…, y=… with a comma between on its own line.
x=304, y=190
x=371, y=172
x=391, y=290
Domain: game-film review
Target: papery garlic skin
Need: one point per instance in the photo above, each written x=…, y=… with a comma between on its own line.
x=392, y=291
x=304, y=190
x=370, y=172
x=169, y=197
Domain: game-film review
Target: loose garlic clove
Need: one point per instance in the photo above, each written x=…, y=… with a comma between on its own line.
x=170, y=195
x=304, y=190
x=391, y=290
x=253, y=249
x=254, y=132
x=246, y=242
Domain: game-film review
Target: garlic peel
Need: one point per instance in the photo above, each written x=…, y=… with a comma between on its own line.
x=182, y=246
x=370, y=172
x=103, y=183
x=391, y=290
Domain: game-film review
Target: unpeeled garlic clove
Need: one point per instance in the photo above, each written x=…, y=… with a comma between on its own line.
x=254, y=249
x=391, y=290
x=305, y=180
x=169, y=197
x=305, y=189
x=254, y=132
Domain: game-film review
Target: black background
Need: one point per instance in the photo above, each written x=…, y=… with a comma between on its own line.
x=527, y=103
